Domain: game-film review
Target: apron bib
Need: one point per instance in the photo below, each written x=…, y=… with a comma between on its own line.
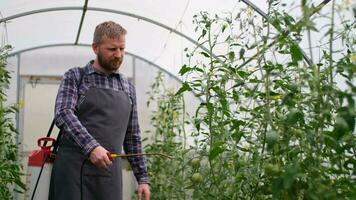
x=105, y=114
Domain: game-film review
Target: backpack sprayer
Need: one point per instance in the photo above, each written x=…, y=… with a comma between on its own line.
x=41, y=162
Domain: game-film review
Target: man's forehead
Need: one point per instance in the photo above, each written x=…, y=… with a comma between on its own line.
x=113, y=40
x=113, y=37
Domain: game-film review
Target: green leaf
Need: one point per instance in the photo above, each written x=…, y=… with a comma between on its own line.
x=203, y=33
x=331, y=142
x=243, y=74
x=291, y=173
x=210, y=108
x=231, y=56
x=198, y=69
x=242, y=53
x=20, y=184
x=235, y=96
x=185, y=87
x=205, y=54
x=224, y=105
x=215, y=152
x=277, y=187
x=197, y=123
x=296, y=53
x=191, y=186
x=288, y=99
x=223, y=28
x=184, y=70
x=348, y=115
x=294, y=116
x=255, y=81
x=304, y=2
x=340, y=127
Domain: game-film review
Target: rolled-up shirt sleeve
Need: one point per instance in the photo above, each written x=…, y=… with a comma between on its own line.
x=65, y=116
x=132, y=143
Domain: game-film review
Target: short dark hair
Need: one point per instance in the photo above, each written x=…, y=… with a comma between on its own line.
x=109, y=29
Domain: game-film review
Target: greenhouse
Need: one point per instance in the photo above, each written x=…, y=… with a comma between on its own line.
x=177, y=100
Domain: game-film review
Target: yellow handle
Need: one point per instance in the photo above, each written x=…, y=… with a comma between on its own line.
x=114, y=155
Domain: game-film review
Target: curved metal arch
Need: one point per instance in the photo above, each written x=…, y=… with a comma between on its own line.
x=109, y=11
x=88, y=45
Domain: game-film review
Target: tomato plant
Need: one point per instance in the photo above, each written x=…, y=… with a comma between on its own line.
x=274, y=122
x=10, y=170
x=168, y=138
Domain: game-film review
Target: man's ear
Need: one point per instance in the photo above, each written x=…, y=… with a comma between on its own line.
x=95, y=47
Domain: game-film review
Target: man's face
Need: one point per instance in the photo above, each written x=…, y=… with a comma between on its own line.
x=110, y=53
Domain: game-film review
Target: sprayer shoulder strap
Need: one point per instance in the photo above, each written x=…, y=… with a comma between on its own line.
x=55, y=146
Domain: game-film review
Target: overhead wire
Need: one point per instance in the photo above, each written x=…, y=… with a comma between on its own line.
x=180, y=22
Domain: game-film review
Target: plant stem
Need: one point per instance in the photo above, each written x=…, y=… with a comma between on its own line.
x=331, y=42
x=310, y=45
x=183, y=122
x=267, y=92
x=184, y=138
x=208, y=97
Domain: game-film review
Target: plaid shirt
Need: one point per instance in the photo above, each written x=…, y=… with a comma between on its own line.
x=66, y=105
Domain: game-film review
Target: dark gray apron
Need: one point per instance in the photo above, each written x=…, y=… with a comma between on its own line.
x=105, y=114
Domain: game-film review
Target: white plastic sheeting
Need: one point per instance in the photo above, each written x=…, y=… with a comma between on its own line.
x=151, y=24
x=151, y=41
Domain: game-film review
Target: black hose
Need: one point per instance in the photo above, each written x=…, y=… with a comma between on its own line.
x=39, y=176
x=81, y=179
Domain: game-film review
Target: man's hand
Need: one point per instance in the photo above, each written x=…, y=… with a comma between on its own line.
x=98, y=156
x=144, y=189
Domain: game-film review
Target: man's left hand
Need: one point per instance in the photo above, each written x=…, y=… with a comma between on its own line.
x=144, y=189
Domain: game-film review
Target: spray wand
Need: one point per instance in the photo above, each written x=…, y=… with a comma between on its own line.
x=112, y=156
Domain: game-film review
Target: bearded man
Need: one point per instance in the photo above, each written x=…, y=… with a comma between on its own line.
x=96, y=112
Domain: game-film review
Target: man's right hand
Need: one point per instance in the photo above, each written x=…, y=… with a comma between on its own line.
x=98, y=156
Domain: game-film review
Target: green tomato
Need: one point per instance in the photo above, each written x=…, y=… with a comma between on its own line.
x=271, y=169
x=294, y=116
x=197, y=178
x=341, y=124
x=239, y=176
x=195, y=162
x=340, y=127
x=293, y=87
x=272, y=137
x=298, y=133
